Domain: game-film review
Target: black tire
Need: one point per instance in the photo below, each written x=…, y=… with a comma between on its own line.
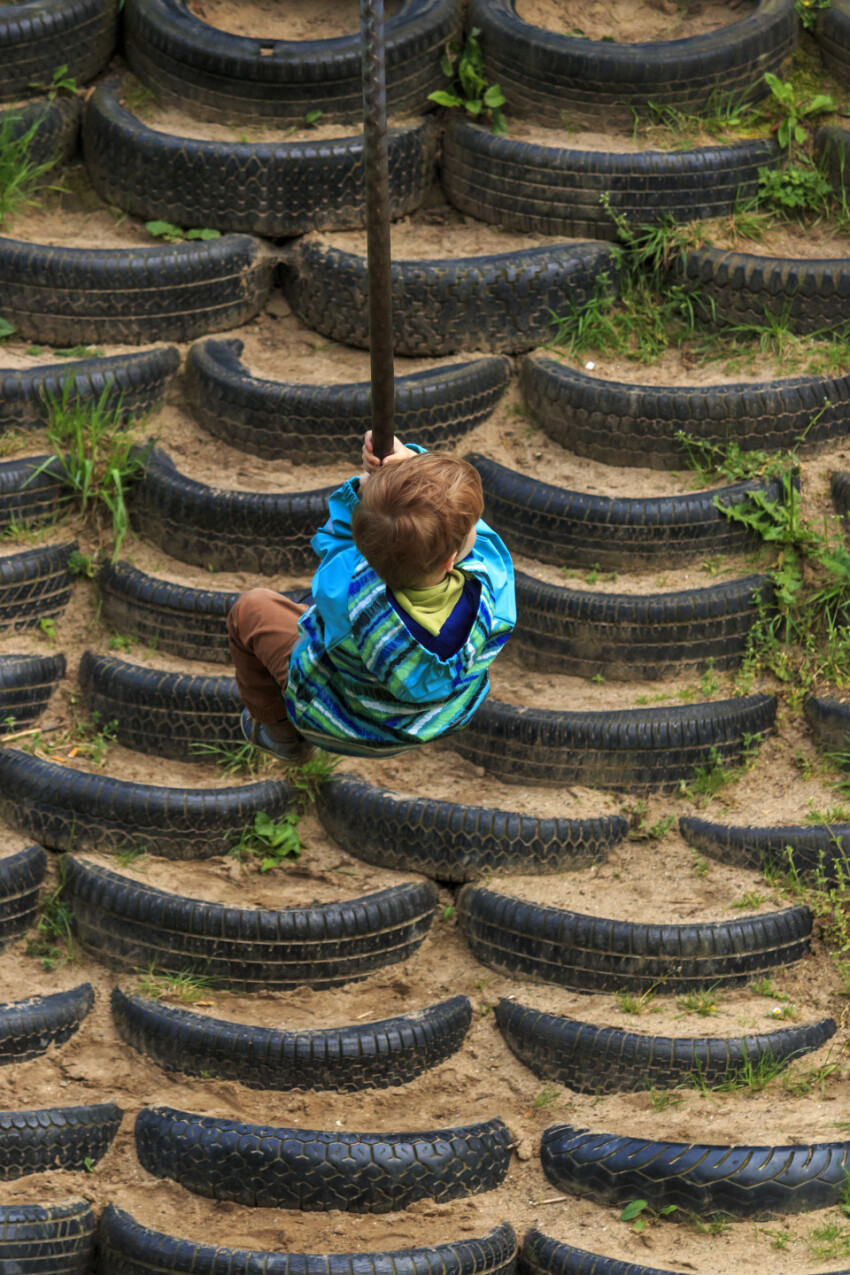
x=321, y=423
x=133, y=383
x=55, y=1138
x=38, y=37
x=26, y=684
x=221, y=76
x=378, y=1055
x=555, y=525
x=168, y=292
x=833, y=37
x=541, y=1255
x=165, y=714
x=741, y=1181
x=840, y=489
x=502, y=304
x=175, y=618
x=829, y=722
x=807, y=851
x=626, y=749
x=21, y=878
x=261, y=533
x=29, y=498
x=624, y=636
x=552, y=190
x=543, y=74
x=67, y=809
x=128, y=925
x=594, y=954
x=126, y=1248
x=29, y=1028
x=267, y=1167
x=264, y=188
x=58, y=1238
x=742, y=288
x=618, y=423
x=58, y=128
x=600, y=1060
x=34, y=583
x=450, y=841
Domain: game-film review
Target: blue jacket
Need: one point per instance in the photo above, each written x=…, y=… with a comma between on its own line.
x=359, y=682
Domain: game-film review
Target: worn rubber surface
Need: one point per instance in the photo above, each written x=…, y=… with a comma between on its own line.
x=829, y=722
x=165, y=714
x=67, y=809
x=34, y=583
x=594, y=954
x=807, y=850
x=57, y=1238
x=840, y=488
x=176, y=618
x=591, y=1059
x=541, y=1255
x=41, y=35
x=623, y=749
x=742, y=288
x=132, y=383
x=543, y=74
x=57, y=127
x=55, y=1138
x=553, y=190
x=742, y=1181
x=452, y=841
x=372, y=1055
x=29, y=1028
x=264, y=188
x=262, y=533
x=31, y=495
x=168, y=292
x=26, y=684
x=502, y=303
x=619, y=423
x=614, y=533
x=833, y=38
x=21, y=877
x=129, y=924
x=217, y=75
x=315, y=1171
x=645, y=636
x=126, y=1248
x=319, y=423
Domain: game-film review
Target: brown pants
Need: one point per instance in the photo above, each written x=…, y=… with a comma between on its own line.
x=263, y=629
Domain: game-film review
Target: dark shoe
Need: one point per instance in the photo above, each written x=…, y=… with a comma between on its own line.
x=282, y=740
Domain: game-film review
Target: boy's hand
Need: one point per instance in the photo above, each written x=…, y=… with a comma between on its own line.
x=370, y=460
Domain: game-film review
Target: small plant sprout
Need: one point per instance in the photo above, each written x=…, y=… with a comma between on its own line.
x=269, y=840
x=642, y=1216
x=54, y=943
x=187, y=987
x=174, y=234
x=545, y=1099
x=59, y=83
x=636, y=1003
x=472, y=91
x=20, y=177
x=703, y=1003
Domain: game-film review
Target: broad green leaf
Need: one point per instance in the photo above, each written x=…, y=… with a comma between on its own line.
x=161, y=228
x=204, y=233
x=6, y=328
x=446, y=66
x=633, y=1209
x=312, y=116
x=442, y=98
x=494, y=96
x=474, y=106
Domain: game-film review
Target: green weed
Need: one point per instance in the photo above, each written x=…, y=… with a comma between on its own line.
x=545, y=1099
x=20, y=177
x=234, y=759
x=634, y=1002
x=187, y=987
x=59, y=83
x=640, y=829
x=54, y=943
x=471, y=90
x=271, y=841
x=95, y=458
x=703, y=1003
x=174, y=234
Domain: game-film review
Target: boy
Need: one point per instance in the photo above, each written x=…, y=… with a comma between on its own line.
x=413, y=600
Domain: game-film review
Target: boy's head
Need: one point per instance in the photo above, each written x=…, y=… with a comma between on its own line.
x=414, y=515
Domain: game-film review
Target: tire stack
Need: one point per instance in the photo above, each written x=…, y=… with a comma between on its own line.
x=284, y=1099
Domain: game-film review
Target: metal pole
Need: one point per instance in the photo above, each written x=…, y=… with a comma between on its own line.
x=378, y=223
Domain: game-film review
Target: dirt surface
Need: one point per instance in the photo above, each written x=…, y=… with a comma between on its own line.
x=266, y=20
x=654, y=875
x=633, y=21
